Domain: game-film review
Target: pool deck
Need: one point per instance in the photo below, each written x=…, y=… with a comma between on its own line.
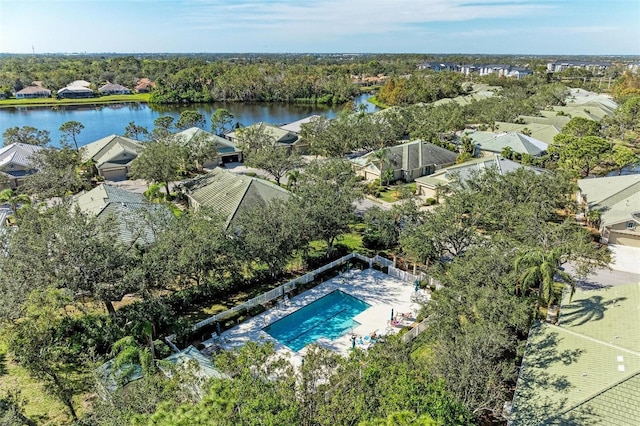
x=376, y=288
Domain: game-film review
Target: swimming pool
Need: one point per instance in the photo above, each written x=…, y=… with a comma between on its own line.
x=331, y=316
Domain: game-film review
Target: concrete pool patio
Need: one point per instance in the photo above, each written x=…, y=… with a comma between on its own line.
x=381, y=291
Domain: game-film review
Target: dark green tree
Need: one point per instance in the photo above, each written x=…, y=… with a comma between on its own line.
x=260, y=151
x=326, y=197
x=272, y=234
x=27, y=135
x=160, y=162
x=190, y=118
x=70, y=131
x=221, y=121
x=135, y=131
x=60, y=173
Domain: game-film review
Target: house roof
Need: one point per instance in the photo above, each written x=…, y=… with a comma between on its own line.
x=586, y=369
x=590, y=111
x=30, y=90
x=225, y=146
x=546, y=117
x=411, y=155
x=518, y=142
x=144, y=83
x=79, y=83
x=579, y=96
x=95, y=200
x=206, y=370
x=4, y=213
x=103, y=150
x=617, y=197
x=127, y=207
x=112, y=87
x=75, y=89
x=280, y=136
x=541, y=132
x=192, y=355
x=18, y=154
x=296, y=126
x=110, y=379
x=229, y=194
x=465, y=170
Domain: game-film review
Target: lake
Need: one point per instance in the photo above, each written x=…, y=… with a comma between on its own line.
x=103, y=120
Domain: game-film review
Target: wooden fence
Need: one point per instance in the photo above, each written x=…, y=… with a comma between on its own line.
x=413, y=333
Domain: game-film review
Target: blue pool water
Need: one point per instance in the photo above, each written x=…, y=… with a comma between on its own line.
x=331, y=316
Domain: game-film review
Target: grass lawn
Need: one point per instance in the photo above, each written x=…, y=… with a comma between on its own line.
x=392, y=193
x=40, y=406
x=136, y=97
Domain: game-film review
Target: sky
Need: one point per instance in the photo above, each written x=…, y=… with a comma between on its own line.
x=543, y=27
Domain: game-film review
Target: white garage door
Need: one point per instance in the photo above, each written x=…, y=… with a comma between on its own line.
x=114, y=174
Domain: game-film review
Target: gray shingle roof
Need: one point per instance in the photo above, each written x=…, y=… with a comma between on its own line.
x=18, y=153
x=128, y=208
x=411, y=155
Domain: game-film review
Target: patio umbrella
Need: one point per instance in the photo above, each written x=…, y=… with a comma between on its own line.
x=218, y=328
x=391, y=314
x=415, y=285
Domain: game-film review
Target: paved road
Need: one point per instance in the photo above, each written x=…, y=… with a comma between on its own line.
x=605, y=278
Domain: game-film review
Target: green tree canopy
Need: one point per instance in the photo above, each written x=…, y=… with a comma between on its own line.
x=27, y=135
x=260, y=151
x=70, y=131
x=159, y=162
x=326, y=196
x=221, y=121
x=60, y=173
x=190, y=118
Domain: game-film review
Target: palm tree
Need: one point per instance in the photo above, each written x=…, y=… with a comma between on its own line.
x=292, y=180
x=382, y=156
x=538, y=268
x=13, y=199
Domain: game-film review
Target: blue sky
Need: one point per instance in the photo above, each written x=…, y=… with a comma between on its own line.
x=549, y=27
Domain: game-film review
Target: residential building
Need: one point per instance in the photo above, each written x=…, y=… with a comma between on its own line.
x=76, y=89
x=35, y=91
x=189, y=359
x=230, y=194
x=112, y=156
x=408, y=161
x=429, y=186
x=281, y=137
x=15, y=162
x=584, y=370
x=129, y=209
x=617, y=198
x=561, y=65
x=4, y=218
x=490, y=142
x=438, y=66
x=518, y=73
x=541, y=132
x=228, y=152
x=114, y=89
x=144, y=85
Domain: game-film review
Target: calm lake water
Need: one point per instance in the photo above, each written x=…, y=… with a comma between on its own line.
x=103, y=120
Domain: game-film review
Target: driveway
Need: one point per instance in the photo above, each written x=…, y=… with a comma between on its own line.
x=625, y=258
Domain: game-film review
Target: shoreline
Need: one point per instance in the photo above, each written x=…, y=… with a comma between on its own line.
x=52, y=102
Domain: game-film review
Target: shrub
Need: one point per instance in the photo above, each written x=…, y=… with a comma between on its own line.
x=430, y=202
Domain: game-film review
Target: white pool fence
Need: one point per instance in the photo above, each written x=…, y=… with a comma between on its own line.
x=281, y=291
